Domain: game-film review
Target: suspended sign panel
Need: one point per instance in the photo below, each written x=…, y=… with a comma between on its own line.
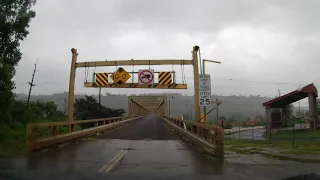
x=204, y=82
x=164, y=78
x=101, y=79
x=146, y=76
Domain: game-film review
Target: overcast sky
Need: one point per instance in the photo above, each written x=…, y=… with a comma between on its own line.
x=263, y=45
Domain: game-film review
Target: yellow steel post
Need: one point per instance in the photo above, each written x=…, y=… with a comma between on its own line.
x=71, y=84
x=196, y=82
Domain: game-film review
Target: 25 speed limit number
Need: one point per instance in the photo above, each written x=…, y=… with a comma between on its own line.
x=205, y=98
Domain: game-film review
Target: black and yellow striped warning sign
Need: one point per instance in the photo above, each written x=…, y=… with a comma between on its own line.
x=101, y=79
x=164, y=78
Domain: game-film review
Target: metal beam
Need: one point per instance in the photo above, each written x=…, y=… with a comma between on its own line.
x=135, y=62
x=136, y=85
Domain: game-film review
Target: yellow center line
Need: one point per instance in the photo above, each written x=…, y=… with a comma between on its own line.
x=116, y=160
x=108, y=167
x=110, y=162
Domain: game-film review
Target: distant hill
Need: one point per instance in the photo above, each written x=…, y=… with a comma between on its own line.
x=241, y=107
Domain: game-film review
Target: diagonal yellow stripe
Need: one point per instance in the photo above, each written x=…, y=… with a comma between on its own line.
x=99, y=82
x=160, y=74
x=167, y=79
x=102, y=79
x=98, y=78
x=105, y=76
x=163, y=77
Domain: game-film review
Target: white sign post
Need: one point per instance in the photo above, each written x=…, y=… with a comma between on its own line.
x=204, y=90
x=146, y=76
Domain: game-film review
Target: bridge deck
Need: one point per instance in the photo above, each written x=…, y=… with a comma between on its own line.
x=143, y=147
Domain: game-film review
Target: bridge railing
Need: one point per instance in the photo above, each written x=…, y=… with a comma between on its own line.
x=42, y=135
x=209, y=137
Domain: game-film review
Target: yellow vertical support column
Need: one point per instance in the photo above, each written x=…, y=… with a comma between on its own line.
x=196, y=82
x=71, y=84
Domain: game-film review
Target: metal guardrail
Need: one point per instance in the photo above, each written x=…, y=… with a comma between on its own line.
x=200, y=134
x=44, y=135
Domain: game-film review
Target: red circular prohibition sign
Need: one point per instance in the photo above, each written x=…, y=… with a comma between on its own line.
x=142, y=76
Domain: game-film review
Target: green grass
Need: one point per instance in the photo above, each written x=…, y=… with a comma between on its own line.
x=13, y=138
x=8, y=148
x=300, y=147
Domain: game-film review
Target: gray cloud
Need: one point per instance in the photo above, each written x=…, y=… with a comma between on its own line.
x=257, y=41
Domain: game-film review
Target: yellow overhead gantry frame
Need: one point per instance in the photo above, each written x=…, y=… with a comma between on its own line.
x=75, y=64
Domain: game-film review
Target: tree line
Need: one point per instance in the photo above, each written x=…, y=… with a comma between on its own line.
x=15, y=16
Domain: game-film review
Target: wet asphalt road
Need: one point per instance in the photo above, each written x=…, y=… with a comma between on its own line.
x=140, y=150
x=145, y=146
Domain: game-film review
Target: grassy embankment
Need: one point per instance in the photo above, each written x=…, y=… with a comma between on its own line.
x=13, y=137
x=304, y=142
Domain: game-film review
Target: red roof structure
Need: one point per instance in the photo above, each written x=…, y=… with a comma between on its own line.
x=291, y=97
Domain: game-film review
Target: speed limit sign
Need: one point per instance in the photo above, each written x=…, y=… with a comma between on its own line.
x=205, y=98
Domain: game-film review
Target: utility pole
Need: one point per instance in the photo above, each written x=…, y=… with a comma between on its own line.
x=31, y=84
x=279, y=92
